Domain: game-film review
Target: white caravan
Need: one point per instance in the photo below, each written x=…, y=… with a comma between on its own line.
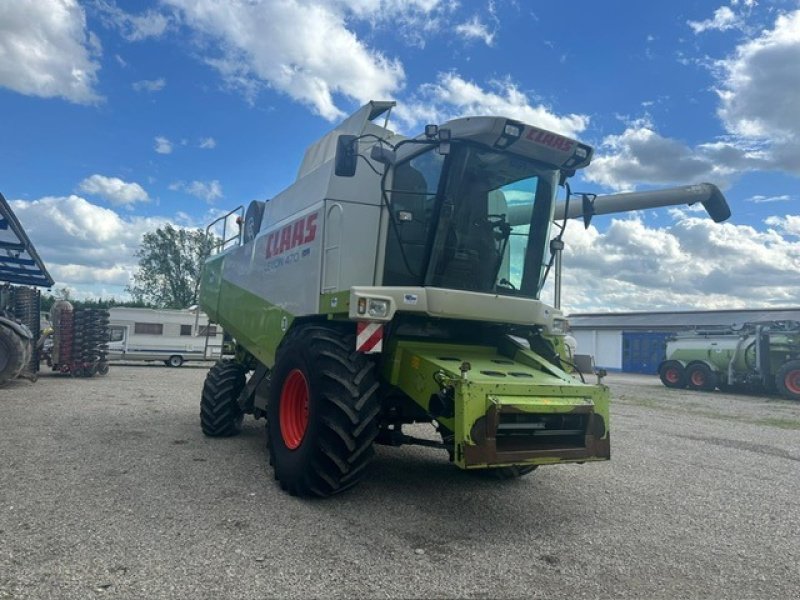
x=171, y=336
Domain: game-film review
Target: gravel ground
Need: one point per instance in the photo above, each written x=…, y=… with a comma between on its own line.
x=108, y=489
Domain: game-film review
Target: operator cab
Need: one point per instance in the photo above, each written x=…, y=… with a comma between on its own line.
x=470, y=204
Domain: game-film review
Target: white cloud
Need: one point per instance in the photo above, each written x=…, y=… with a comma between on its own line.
x=47, y=51
x=475, y=29
x=759, y=89
x=205, y=190
x=149, y=85
x=83, y=243
x=163, y=145
x=115, y=190
x=759, y=199
x=692, y=264
x=452, y=96
x=208, y=143
x=134, y=28
x=724, y=18
x=89, y=249
x=641, y=155
x=302, y=48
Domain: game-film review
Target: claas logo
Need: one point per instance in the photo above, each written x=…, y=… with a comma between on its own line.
x=302, y=231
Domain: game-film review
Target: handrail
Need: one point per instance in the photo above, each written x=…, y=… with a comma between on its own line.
x=222, y=244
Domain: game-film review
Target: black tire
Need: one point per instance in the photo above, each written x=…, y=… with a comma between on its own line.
x=700, y=377
x=505, y=473
x=220, y=415
x=252, y=220
x=102, y=368
x=787, y=380
x=174, y=361
x=672, y=374
x=326, y=393
x=14, y=354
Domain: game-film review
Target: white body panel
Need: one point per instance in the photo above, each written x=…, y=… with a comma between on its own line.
x=154, y=346
x=605, y=346
x=283, y=264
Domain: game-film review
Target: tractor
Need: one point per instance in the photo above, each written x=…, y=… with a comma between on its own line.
x=399, y=281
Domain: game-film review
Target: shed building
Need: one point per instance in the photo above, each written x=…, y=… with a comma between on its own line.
x=635, y=342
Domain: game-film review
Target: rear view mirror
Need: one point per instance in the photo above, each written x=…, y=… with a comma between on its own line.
x=346, y=156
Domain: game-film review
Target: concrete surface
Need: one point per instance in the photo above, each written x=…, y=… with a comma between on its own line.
x=108, y=489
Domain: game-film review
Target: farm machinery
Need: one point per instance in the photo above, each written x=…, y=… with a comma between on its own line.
x=79, y=340
x=761, y=356
x=398, y=281
x=22, y=272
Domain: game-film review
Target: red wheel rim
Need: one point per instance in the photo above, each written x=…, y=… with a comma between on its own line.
x=294, y=409
x=792, y=381
x=672, y=375
x=698, y=378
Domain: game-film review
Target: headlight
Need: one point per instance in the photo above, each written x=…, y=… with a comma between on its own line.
x=559, y=327
x=378, y=308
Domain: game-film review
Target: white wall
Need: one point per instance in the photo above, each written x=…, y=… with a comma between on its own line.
x=605, y=346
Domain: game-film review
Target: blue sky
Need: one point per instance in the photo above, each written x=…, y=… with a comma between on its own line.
x=118, y=117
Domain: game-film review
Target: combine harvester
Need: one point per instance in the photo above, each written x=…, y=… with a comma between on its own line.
x=762, y=356
x=398, y=281
x=22, y=272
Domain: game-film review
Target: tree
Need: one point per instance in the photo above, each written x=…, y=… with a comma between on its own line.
x=170, y=265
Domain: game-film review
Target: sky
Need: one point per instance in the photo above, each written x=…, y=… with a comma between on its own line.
x=119, y=117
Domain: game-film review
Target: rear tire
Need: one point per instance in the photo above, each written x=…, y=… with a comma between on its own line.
x=322, y=416
x=220, y=415
x=701, y=378
x=672, y=374
x=787, y=380
x=14, y=354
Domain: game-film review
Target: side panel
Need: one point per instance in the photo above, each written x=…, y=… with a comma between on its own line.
x=282, y=265
x=353, y=227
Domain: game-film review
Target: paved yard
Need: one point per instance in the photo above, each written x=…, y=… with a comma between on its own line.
x=108, y=489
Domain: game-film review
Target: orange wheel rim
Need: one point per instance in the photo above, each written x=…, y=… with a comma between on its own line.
x=293, y=410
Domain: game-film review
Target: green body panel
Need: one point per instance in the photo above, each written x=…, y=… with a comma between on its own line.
x=256, y=324
x=497, y=385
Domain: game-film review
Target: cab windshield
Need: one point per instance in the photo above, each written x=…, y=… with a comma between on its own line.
x=477, y=220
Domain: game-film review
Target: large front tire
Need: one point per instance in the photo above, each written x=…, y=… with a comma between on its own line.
x=220, y=415
x=787, y=380
x=322, y=416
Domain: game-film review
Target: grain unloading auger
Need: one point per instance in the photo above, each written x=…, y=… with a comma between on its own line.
x=397, y=281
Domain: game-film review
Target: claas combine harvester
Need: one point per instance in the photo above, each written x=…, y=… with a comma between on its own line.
x=398, y=281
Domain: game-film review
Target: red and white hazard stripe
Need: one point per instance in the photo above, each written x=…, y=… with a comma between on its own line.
x=369, y=337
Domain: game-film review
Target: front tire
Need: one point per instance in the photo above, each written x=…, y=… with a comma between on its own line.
x=787, y=380
x=220, y=415
x=322, y=416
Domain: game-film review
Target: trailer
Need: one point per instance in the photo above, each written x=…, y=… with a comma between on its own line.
x=169, y=336
x=760, y=356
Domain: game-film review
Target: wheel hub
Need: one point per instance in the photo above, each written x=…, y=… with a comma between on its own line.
x=293, y=409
